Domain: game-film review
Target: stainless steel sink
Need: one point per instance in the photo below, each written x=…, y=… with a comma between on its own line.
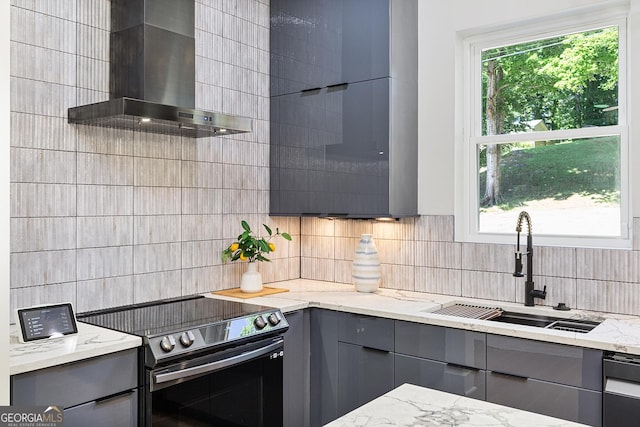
x=547, y=322
x=496, y=314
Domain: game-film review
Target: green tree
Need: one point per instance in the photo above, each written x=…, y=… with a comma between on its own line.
x=566, y=81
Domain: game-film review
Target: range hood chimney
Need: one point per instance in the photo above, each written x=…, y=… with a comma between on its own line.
x=152, y=74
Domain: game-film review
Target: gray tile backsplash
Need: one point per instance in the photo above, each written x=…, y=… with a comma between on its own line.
x=103, y=217
x=420, y=254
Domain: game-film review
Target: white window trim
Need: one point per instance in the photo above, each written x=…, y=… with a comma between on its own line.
x=472, y=44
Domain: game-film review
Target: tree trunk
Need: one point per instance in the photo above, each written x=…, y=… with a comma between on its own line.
x=494, y=127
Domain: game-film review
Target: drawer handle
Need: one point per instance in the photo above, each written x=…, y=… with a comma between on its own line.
x=517, y=377
x=338, y=86
x=310, y=89
x=377, y=350
x=461, y=367
x=114, y=396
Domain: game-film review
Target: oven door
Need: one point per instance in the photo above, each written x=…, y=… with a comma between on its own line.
x=239, y=387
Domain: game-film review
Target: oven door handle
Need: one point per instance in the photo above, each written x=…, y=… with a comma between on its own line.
x=217, y=365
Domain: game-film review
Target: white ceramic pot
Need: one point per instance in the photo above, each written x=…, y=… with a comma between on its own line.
x=251, y=279
x=366, y=272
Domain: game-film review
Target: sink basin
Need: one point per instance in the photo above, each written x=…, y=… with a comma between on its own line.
x=525, y=319
x=548, y=322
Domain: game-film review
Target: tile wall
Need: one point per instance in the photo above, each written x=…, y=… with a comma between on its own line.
x=103, y=217
x=419, y=254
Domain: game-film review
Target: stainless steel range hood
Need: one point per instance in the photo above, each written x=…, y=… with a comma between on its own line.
x=152, y=74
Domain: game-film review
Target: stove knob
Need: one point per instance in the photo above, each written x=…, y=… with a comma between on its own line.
x=167, y=343
x=259, y=322
x=187, y=338
x=274, y=318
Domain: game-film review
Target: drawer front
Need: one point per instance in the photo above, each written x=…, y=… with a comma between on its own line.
x=557, y=363
x=556, y=400
x=120, y=410
x=81, y=381
x=440, y=376
x=466, y=348
x=363, y=375
x=367, y=331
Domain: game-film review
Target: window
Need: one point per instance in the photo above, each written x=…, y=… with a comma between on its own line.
x=545, y=131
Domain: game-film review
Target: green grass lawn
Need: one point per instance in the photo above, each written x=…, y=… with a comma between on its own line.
x=585, y=167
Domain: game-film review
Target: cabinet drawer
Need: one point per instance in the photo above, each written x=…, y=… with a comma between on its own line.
x=363, y=375
x=367, y=331
x=440, y=376
x=557, y=363
x=82, y=381
x=466, y=348
x=556, y=400
x=120, y=410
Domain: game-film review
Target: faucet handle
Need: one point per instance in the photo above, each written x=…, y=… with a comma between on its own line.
x=537, y=293
x=518, y=270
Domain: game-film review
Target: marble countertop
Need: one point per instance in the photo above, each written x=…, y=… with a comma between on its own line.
x=90, y=341
x=412, y=406
x=616, y=332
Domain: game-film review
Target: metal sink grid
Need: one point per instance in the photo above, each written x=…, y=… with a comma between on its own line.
x=470, y=311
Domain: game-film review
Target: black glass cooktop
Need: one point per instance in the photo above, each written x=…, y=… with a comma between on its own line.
x=168, y=316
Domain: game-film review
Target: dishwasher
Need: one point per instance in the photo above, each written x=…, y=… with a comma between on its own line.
x=621, y=397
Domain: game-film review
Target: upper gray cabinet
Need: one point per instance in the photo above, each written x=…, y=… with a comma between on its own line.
x=318, y=43
x=344, y=108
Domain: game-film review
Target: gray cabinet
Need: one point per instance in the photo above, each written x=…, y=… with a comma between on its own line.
x=365, y=359
x=102, y=389
x=364, y=373
x=552, y=379
x=324, y=362
x=296, y=370
x=343, y=86
x=352, y=362
x=318, y=43
x=445, y=359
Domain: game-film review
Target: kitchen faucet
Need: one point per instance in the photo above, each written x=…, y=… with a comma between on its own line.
x=529, y=292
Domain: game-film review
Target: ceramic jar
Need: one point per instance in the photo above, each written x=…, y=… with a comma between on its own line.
x=366, y=271
x=251, y=279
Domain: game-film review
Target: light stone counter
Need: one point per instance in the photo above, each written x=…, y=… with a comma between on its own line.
x=413, y=406
x=90, y=341
x=616, y=333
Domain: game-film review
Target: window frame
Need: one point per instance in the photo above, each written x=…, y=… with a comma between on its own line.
x=470, y=110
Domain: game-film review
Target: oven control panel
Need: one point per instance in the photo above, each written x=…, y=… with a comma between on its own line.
x=217, y=334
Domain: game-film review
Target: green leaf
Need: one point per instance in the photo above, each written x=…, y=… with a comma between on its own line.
x=286, y=236
x=263, y=258
x=268, y=229
x=245, y=226
x=263, y=245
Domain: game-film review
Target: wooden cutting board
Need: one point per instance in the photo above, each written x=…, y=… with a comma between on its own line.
x=237, y=293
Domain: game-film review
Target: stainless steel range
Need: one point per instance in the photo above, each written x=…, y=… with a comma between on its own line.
x=205, y=361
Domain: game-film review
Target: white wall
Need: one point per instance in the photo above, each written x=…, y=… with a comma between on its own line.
x=4, y=202
x=441, y=23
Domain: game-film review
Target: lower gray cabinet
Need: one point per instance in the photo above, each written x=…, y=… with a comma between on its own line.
x=351, y=362
x=446, y=359
x=324, y=363
x=118, y=410
x=364, y=373
x=296, y=370
x=559, y=380
x=365, y=359
x=102, y=391
x=441, y=376
x=543, y=397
